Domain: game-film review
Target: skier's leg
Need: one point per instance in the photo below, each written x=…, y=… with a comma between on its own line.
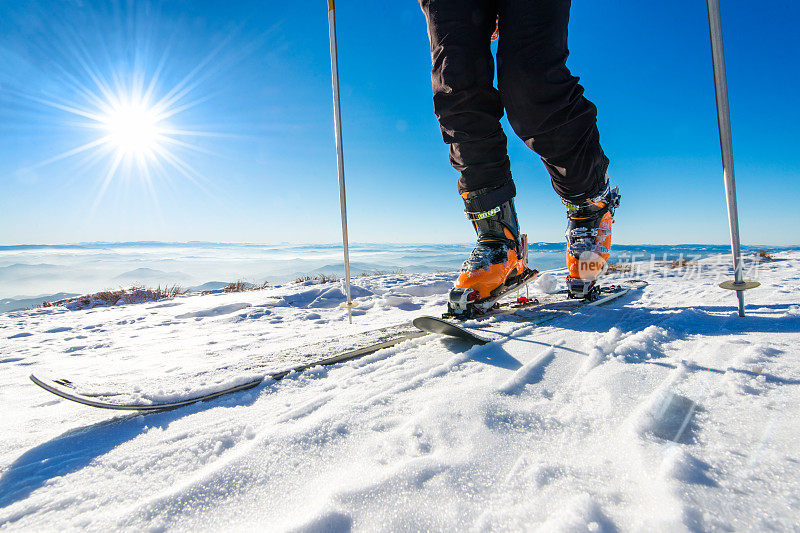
x=464, y=98
x=469, y=109
x=547, y=109
x=544, y=101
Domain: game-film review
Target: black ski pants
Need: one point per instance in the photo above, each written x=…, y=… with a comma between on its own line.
x=544, y=102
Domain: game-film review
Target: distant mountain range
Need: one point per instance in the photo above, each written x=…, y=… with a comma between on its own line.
x=56, y=272
x=150, y=276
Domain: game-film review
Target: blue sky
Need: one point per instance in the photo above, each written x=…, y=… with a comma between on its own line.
x=254, y=104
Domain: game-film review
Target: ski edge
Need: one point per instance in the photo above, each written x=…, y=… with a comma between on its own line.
x=53, y=388
x=47, y=385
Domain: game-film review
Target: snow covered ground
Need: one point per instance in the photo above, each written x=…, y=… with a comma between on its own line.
x=663, y=411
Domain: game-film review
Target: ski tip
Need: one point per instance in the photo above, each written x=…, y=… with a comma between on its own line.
x=443, y=327
x=420, y=321
x=38, y=380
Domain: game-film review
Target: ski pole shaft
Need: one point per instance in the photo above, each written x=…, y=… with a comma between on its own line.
x=726, y=143
x=337, y=121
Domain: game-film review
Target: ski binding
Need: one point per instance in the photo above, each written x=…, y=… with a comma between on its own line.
x=581, y=289
x=465, y=303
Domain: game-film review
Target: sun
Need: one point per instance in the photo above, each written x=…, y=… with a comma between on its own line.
x=133, y=128
x=133, y=132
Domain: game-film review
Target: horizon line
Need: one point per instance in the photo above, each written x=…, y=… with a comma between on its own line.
x=8, y=247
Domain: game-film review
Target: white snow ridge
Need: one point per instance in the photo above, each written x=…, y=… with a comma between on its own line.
x=661, y=411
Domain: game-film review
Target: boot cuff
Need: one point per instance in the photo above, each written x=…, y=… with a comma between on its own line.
x=486, y=199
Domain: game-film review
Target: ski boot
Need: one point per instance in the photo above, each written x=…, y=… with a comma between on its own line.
x=589, y=240
x=497, y=265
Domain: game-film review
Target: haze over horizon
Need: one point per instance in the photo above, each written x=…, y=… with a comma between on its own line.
x=34, y=270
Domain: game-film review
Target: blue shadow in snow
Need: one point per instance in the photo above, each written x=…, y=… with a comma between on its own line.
x=77, y=448
x=703, y=320
x=495, y=355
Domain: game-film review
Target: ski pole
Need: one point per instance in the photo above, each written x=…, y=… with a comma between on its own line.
x=337, y=122
x=726, y=145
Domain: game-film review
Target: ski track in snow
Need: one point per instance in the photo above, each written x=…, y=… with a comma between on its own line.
x=529, y=373
x=663, y=411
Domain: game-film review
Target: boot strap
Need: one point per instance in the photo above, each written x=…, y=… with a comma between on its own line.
x=480, y=215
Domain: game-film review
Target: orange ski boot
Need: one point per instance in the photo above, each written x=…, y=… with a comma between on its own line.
x=497, y=265
x=589, y=240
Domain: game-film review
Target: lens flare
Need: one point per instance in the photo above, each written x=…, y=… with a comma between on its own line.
x=131, y=128
x=134, y=129
x=130, y=106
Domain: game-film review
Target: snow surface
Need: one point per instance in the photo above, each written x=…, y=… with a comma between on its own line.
x=663, y=411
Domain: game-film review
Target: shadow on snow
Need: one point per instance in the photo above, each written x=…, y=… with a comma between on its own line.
x=77, y=448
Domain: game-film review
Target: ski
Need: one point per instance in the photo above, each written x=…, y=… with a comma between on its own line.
x=534, y=312
x=85, y=395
